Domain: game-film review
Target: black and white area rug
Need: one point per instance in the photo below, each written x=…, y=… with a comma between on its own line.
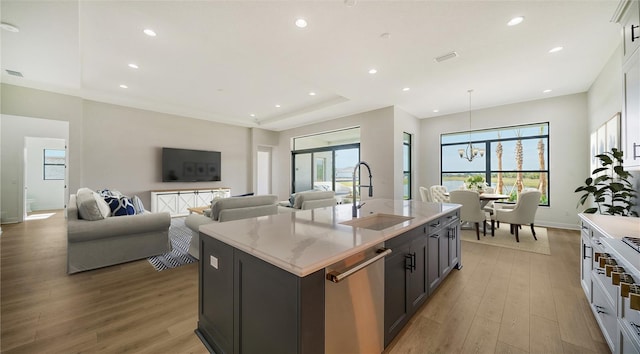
x=180, y=236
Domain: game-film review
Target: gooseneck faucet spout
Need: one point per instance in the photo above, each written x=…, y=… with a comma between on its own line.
x=357, y=206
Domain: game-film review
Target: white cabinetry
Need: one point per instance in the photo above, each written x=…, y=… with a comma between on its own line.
x=629, y=18
x=609, y=271
x=176, y=202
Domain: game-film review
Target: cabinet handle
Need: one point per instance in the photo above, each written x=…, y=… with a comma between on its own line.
x=413, y=261
x=584, y=251
x=636, y=327
x=633, y=35
x=435, y=225
x=435, y=236
x=635, y=149
x=599, y=309
x=599, y=271
x=337, y=277
x=408, y=257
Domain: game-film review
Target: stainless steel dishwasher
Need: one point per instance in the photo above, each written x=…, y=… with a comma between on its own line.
x=354, y=303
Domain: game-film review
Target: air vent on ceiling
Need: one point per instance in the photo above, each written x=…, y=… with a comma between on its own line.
x=14, y=73
x=445, y=57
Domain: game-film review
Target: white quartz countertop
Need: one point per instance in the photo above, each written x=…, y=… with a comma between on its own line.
x=613, y=226
x=305, y=241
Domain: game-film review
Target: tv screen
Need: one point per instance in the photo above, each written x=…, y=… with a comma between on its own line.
x=182, y=165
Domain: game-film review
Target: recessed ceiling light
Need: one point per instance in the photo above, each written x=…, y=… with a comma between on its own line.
x=149, y=32
x=406, y=89
x=546, y=91
x=9, y=27
x=133, y=66
x=301, y=23
x=124, y=86
x=372, y=71
x=312, y=93
x=252, y=115
x=277, y=106
x=436, y=110
x=515, y=21
x=555, y=49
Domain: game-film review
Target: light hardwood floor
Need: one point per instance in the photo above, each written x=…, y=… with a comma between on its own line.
x=502, y=301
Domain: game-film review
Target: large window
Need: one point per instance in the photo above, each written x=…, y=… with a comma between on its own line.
x=515, y=158
x=54, y=161
x=326, y=161
x=406, y=163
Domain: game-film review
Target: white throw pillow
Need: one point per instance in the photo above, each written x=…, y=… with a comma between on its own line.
x=91, y=206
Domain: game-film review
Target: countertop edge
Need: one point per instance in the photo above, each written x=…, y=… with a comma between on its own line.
x=385, y=235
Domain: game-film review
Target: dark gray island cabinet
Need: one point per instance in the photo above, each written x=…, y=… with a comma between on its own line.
x=253, y=299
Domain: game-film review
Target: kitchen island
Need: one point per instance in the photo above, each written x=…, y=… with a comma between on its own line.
x=263, y=281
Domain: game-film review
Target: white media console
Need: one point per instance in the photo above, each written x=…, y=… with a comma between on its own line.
x=176, y=201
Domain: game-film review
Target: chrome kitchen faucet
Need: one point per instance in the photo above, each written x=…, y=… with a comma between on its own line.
x=357, y=206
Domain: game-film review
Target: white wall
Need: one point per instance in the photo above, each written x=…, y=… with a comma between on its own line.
x=568, y=147
x=14, y=131
x=376, y=148
x=44, y=194
x=604, y=99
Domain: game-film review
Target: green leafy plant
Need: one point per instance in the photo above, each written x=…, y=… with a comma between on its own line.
x=475, y=182
x=609, y=186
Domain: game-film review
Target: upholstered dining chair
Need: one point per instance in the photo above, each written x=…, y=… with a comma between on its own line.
x=523, y=213
x=439, y=194
x=425, y=194
x=470, y=211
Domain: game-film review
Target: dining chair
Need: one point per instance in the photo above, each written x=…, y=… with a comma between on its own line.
x=470, y=211
x=524, y=212
x=425, y=194
x=439, y=194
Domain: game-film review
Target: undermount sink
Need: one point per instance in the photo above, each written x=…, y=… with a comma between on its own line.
x=377, y=221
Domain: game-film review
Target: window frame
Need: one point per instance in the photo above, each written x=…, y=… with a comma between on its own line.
x=486, y=144
x=45, y=164
x=407, y=173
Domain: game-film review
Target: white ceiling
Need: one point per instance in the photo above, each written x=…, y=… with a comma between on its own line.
x=222, y=61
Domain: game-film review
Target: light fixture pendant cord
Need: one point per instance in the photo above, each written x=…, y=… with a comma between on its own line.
x=470, y=115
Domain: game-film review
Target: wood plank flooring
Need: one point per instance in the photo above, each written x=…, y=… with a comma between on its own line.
x=502, y=301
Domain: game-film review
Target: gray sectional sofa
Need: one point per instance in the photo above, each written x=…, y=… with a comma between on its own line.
x=228, y=209
x=313, y=199
x=98, y=241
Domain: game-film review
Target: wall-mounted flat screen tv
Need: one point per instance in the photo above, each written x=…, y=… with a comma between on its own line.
x=183, y=165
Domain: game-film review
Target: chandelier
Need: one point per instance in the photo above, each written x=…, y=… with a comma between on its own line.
x=470, y=152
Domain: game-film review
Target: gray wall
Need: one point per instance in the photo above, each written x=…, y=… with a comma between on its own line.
x=377, y=147
x=120, y=148
x=568, y=147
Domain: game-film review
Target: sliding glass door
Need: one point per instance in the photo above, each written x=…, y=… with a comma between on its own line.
x=328, y=168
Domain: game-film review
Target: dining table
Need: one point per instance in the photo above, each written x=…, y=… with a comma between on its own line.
x=485, y=198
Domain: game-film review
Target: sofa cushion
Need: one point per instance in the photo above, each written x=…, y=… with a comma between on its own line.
x=311, y=195
x=91, y=206
x=241, y=202
x=120, y=206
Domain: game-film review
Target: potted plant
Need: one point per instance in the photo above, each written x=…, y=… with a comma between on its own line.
x=610, y=187
x=475, y=183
